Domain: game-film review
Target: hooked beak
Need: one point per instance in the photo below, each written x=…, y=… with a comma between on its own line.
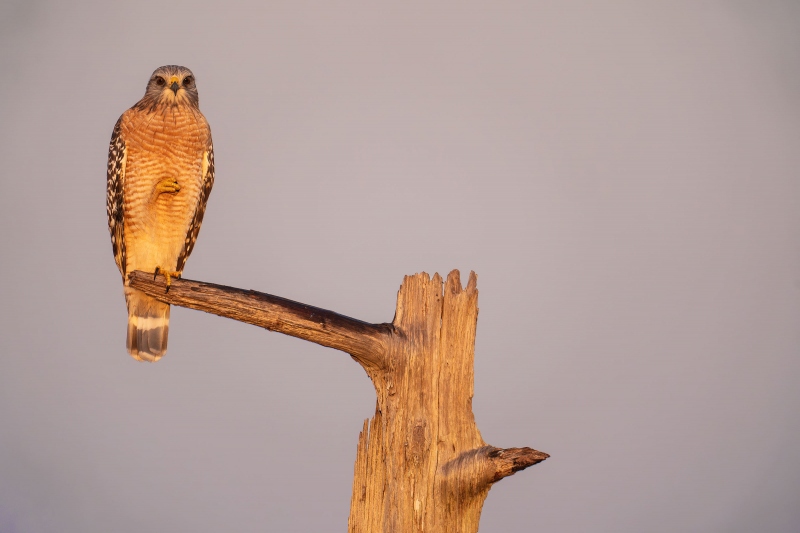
x=174, y=87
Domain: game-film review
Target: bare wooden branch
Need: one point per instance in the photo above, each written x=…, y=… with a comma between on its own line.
x=509, y=461
x=366, y=342
x=476, y=469
x=421, y=463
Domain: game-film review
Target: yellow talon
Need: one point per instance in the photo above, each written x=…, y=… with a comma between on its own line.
x=168, y=275
x=168, y=185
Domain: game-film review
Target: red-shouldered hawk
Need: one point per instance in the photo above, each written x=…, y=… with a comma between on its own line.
x=160, y=173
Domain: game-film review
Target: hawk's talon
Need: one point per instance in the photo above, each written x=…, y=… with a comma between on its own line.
x=167, y=185
x=168, y=275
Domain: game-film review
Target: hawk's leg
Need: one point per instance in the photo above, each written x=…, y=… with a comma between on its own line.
x=167, y=185
x=168, y=275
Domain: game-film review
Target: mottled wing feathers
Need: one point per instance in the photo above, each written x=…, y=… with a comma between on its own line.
x=114, y=203
x=200, y=210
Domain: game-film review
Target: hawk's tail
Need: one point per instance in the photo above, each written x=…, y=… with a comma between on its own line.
x=148, y=326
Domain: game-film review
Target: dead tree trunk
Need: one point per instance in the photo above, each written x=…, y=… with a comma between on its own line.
x=421, y=464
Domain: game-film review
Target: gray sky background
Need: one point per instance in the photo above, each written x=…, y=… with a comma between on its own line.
x=624, y=177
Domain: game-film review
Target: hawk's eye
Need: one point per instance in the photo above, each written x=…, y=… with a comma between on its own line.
x=160, y=81
x=188, y=80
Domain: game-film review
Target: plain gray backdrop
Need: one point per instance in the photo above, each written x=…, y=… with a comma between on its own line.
x=623, y=176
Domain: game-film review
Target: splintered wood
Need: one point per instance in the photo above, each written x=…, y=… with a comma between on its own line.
x=421, y=464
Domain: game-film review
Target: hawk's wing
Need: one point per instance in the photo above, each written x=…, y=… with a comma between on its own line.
x=200, y=210
x=114, y=205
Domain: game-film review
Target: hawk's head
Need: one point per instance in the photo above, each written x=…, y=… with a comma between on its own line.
x=171, y=85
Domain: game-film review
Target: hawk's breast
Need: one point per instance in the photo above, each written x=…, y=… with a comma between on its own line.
x=163, y=146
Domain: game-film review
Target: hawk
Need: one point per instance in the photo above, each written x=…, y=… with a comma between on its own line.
x=160, y=173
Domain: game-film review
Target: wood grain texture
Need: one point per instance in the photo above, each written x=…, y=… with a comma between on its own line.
x=363, y=341
x=421, y=463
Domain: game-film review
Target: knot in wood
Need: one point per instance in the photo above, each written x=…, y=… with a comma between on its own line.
x=420, y=442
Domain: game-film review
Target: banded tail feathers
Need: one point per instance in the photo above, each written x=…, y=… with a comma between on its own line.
x=148, y=326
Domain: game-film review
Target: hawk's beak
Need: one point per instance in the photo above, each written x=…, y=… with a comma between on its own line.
x=174, y=87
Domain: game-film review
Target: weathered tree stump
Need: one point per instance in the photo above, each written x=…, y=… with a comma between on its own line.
x=421, y=464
